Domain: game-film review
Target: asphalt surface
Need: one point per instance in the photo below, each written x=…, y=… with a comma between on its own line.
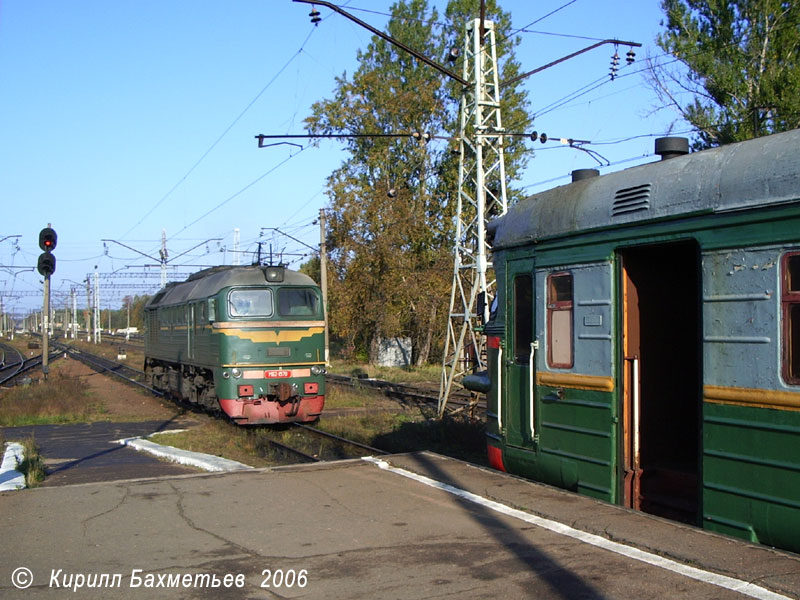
x=85, y=453
x=412, y=526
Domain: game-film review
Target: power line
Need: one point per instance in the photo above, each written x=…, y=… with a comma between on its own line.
x=221, y=136
x=542, y=18
x=241, y=191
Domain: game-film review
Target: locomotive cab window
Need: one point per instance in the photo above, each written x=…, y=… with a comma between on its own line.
x=250, y=303
x=297, y=302
x=791, y=318
x=559, y=320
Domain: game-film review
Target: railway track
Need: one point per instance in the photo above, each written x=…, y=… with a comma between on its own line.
x=310, y=444
x=15, y=364
x=298, y=442
x=106, y=365
x=461, y=402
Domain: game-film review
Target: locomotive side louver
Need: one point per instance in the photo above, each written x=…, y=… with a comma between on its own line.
x=631, y=199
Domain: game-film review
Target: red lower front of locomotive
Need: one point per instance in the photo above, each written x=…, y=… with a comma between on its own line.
x=263, y=396
x=258, y=411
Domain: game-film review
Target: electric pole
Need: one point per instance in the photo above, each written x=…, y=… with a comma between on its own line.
x=481, y=194
x=97, y=324
x=163, y=255
x=323, y=277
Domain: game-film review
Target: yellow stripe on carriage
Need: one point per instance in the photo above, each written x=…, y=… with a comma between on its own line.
x=755, y=398
x=596, y=383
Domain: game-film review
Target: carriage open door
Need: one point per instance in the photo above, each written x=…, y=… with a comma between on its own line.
x=661, y=379
x=517, y=408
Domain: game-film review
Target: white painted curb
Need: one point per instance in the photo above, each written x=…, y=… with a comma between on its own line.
x=206, y=462
x=10, y=478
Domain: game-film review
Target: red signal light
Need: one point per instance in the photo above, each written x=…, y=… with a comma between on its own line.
x=47, y=239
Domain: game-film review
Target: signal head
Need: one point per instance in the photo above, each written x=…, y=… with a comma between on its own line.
x=48, y=239
x=46, y=264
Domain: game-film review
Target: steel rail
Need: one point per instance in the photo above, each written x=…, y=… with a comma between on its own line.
x=333, y=436
x=96, y=362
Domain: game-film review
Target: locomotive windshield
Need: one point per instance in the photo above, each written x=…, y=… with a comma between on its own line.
x=297, y=302
x=250, y=303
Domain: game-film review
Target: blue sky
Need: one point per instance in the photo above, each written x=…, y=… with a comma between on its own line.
x=120, y=119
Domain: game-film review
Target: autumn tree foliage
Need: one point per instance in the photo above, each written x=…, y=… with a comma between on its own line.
x=390, y=220
x=740, y=67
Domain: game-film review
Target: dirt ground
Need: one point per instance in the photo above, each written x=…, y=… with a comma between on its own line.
x=122, y=400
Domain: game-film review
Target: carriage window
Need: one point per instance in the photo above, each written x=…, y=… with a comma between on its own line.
x=791, y=318
x=297, y=302
x=523, y=318
x=250, y=303
x=559, y=320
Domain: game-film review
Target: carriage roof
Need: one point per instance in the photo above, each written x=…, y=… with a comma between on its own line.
x=760, y=172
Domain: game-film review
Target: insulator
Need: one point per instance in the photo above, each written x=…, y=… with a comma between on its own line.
x=392, y=193
x=534, y=136
x=630, y=56
x=314, y=14
x=543, y=138
x=615, y=59
x=453, y=55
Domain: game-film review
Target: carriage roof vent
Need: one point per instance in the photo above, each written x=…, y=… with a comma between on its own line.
x=580, y=174
x=671, y=147
x=632, y=199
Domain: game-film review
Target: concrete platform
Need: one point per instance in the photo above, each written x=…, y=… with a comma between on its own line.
x=91, y=452
x=408, y=526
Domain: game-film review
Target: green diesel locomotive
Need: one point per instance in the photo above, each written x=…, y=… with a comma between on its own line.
x=246, y=340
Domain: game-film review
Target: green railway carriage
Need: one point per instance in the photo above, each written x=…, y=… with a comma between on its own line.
x=644, y=346
x=245, y=340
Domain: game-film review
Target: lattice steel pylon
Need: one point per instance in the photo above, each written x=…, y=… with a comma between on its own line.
x=481, y=195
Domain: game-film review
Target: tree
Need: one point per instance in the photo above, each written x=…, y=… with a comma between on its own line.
x=741, y=67
x=390, y=221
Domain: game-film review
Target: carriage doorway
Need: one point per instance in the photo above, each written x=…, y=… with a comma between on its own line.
x=661, y=379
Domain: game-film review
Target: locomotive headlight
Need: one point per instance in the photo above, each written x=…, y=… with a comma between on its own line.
x=236, y=373
x=317, y=370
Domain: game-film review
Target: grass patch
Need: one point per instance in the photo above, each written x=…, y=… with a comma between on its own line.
x=411, y=375
x=219, y=438
x=32, y=465
x=338, y=396
x=58, y=399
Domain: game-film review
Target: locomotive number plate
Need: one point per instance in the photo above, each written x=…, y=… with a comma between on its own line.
x=277, y=374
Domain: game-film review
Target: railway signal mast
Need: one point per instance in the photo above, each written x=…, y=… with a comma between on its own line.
x=46, y=267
